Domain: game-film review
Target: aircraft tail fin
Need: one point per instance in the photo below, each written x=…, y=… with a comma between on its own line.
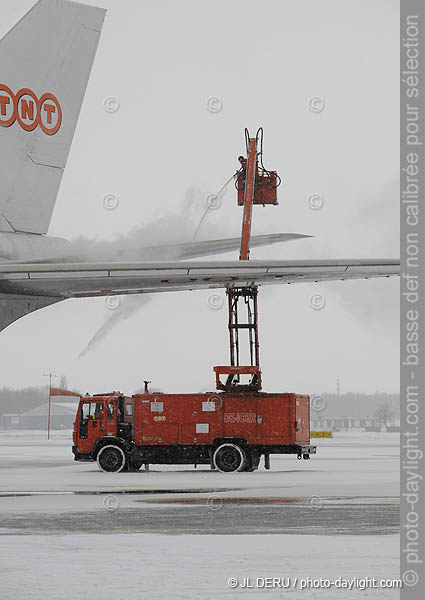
x=45, y=64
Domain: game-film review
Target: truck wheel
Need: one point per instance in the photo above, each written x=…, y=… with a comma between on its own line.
x=229, y=458
x=111, y=459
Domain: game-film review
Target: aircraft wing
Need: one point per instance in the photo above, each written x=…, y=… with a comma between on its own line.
x=166, y=252
x=188, y=250
x=76, y=280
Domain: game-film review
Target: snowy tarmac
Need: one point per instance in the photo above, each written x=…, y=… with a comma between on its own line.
x=357, y=465
x=350, y=487
x=198, y=567
x=65, y=525
x=204, y=517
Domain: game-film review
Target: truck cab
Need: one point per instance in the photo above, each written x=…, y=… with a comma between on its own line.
x=98, y=418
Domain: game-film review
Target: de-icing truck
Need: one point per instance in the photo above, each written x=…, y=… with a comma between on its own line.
x=229, y=431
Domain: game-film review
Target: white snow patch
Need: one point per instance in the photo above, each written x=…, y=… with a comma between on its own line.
x=188, y=567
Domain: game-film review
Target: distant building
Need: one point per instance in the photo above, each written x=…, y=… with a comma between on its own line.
x=63, y=408
x=355, y=411
x=351, y=423
x=10, y=421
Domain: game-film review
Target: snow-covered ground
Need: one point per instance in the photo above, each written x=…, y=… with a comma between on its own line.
x=351, y=464
x=70, y=531
x=141, y=566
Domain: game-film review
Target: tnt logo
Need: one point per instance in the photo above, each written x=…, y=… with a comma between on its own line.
x=30, y=111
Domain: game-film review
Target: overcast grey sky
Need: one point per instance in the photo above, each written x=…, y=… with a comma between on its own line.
x=163, y=152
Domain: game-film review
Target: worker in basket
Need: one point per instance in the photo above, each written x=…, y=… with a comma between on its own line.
x=243, y=161
x=240, y=174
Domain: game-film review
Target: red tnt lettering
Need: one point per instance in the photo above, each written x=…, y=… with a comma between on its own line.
x=50, y=109
x=27, y=109
x=4, y=100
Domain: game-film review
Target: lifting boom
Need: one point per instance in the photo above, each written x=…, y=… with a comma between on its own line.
x=255, y=185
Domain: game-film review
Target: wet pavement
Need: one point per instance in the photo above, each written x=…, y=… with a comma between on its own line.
x=213, y=514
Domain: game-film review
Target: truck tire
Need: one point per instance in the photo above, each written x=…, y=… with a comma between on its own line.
x=111, y=459
x=229, y=458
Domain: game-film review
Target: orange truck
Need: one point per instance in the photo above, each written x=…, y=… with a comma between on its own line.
x=230, y=431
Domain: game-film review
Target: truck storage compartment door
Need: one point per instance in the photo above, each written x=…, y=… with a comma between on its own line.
x=154, y=421
x=160, y=433
x=201, y=418
x=195, y=433
x=302, y=415
x=240, y=417
x=273, y=419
